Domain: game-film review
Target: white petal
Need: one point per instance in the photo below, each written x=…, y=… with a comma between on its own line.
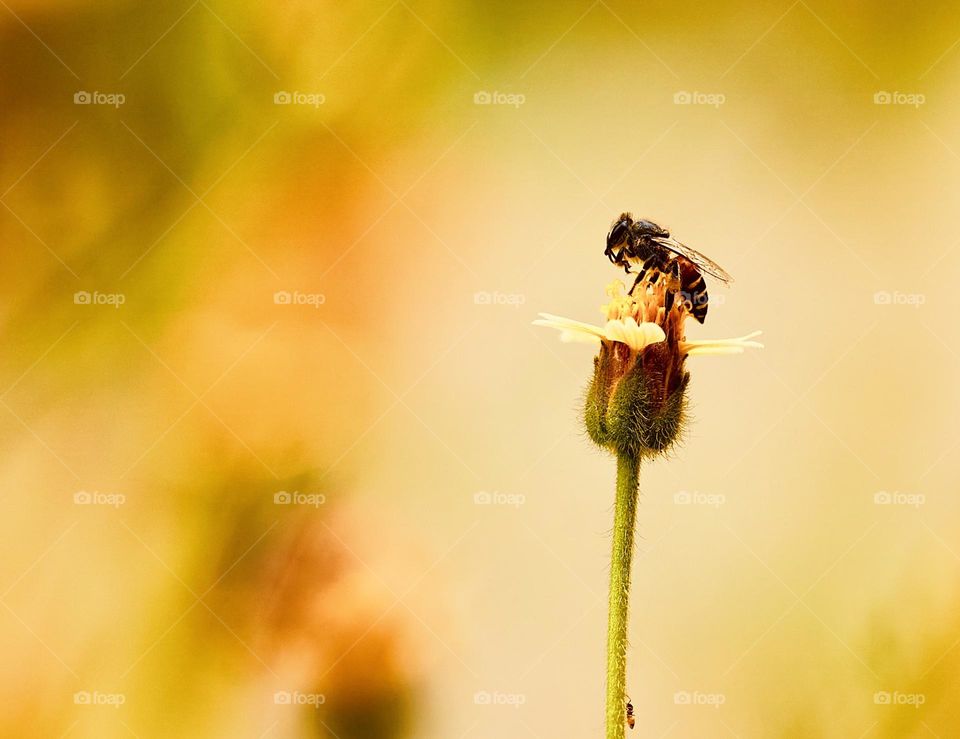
x=615, y=331
x=627, y=331
x=561, y=319
x=633, y=334
x=579, y=337
x=571, y=330
x=722, y=346
x=716, y=350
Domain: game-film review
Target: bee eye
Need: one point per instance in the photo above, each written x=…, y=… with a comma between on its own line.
x=617, y=233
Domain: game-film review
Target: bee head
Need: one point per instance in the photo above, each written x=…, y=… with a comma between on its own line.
x=619, y=232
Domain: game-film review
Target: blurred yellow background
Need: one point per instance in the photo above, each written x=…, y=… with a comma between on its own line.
x=282, y=455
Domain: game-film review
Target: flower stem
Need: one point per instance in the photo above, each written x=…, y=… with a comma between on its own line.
x=624, y=522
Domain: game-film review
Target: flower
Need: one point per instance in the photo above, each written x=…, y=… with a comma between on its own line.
x=636, y=401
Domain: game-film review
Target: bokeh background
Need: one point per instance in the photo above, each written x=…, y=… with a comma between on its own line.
x=282, y=455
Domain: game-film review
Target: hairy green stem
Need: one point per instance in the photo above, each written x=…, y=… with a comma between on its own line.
x=624, y=522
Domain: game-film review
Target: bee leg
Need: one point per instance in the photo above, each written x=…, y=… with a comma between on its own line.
x=673, y=285
x=654, y=262
x=617, y=259
x=650, y=270
x=675, y=282
x=645, y=273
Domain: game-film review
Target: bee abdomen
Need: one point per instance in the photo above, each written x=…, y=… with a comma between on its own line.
x=696, y=299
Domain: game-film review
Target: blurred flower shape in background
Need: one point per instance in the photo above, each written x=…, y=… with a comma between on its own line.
x=331, y=631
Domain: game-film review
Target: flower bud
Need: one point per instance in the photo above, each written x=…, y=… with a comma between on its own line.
x=636, y=402
x=635, y=405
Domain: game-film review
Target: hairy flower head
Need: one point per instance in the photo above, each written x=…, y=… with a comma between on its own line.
x=636, y=401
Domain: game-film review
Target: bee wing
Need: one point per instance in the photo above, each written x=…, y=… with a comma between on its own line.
x=704, y=263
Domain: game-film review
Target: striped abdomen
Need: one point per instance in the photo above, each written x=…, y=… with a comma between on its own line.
x=693, y=289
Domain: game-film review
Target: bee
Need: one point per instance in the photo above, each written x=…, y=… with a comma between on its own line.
x=633, y=242
x=631, y=719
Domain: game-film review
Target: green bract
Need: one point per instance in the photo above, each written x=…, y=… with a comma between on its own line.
x=636, y=403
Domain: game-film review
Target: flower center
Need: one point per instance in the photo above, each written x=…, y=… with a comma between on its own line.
x=647, y=303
